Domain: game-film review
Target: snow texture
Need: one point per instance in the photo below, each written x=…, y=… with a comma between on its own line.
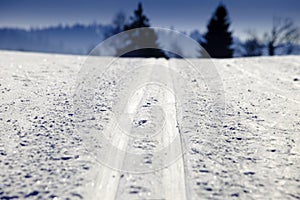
x=249, y=151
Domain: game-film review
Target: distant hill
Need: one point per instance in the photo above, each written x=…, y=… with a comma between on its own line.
x=76, y=39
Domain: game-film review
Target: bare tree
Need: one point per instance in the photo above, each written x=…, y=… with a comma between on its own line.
x=119, y=22
x=283, y=34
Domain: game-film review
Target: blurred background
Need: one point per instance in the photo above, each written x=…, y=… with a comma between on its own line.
x=228, y=28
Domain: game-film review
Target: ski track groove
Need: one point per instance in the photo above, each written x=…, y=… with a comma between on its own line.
x=174, y=183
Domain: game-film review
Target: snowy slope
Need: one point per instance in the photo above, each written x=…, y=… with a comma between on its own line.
x=230, y=133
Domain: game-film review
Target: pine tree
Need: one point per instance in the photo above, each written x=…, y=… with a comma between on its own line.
x=138, y=20
x=146, y=37
x=218, y=38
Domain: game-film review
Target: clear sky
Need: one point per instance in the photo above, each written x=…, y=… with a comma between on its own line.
x=183, y=15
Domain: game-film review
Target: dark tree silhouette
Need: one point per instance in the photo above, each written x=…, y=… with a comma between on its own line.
x=252, y=46
x=218, y=39
x=145, y=37
x=138, y=20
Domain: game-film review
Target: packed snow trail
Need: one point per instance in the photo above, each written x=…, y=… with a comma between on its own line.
x=164, y=181
x=251, y=152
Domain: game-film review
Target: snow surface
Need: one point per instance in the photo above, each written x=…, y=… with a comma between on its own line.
x=237, y=130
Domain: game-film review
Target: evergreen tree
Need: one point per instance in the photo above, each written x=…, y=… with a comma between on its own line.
x=146, y=37
x=138, y=20
x=218, y=38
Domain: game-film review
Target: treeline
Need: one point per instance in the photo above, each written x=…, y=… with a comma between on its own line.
x=218, y=40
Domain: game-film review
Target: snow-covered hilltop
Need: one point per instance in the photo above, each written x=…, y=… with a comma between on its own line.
x=246, y=145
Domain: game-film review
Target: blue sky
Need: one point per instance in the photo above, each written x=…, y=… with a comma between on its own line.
x=180, y=14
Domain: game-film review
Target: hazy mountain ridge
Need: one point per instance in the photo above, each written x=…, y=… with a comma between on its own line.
x=76, y=39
